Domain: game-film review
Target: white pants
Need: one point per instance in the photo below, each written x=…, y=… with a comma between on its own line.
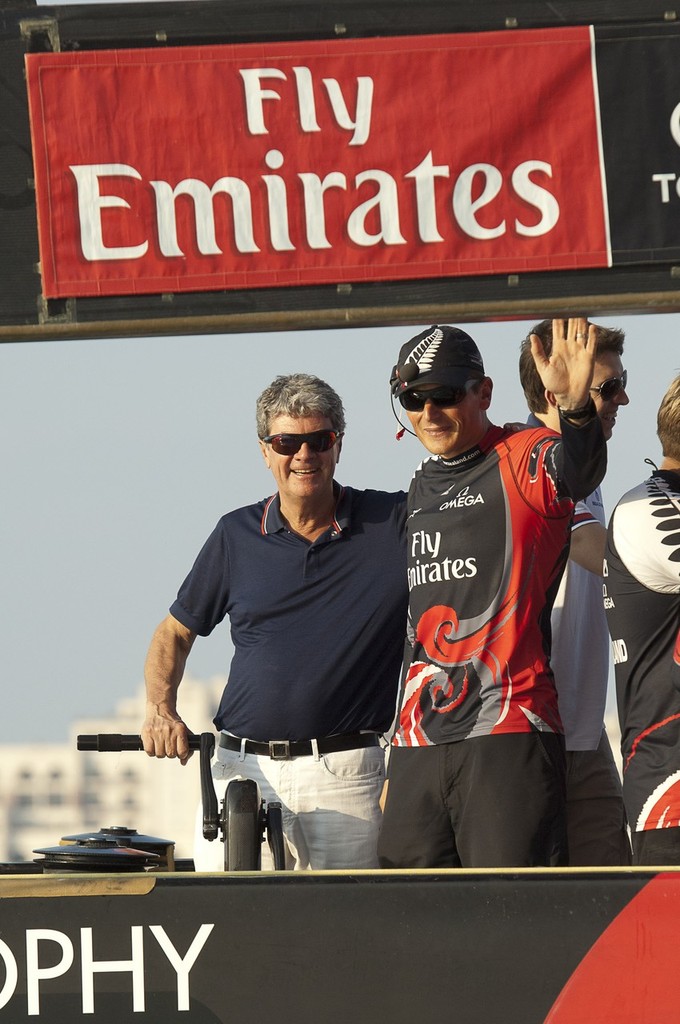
x=329, y=806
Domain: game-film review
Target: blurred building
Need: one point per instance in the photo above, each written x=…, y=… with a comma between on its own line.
x=48, y=791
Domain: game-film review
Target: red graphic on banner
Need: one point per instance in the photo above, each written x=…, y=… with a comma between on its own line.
x=202, y=168
x=630, y=974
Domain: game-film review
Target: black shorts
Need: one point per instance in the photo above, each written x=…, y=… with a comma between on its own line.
x=656, y=847
x=491, y=801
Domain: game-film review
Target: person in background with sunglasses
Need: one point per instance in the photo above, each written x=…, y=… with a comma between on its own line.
x=642, y=604
x=596, y=819
x=477, y=766
x=313, y=580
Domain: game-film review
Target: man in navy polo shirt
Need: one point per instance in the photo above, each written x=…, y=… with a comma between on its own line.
x=313, y=581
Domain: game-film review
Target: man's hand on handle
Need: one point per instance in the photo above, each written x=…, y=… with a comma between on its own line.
x=165, y=735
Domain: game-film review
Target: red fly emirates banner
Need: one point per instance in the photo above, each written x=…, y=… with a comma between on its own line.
x=214, y=167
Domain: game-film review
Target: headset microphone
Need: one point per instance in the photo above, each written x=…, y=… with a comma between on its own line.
x=402, y=375
x=408, y=371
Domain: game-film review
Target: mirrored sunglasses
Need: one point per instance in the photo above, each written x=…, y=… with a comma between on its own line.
x=290, y=444
x=610, y=387
x=444, y=397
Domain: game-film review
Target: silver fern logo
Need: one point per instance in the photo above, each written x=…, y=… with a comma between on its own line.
x=425, y=351
x=666, y=510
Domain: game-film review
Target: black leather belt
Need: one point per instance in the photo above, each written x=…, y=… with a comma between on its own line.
x=283, y=750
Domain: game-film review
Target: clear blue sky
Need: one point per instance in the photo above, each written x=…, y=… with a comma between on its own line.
x=119, y=456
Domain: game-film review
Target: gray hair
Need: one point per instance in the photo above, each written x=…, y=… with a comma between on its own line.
x=298, y=394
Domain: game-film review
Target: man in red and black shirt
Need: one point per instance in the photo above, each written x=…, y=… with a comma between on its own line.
x=477, y=767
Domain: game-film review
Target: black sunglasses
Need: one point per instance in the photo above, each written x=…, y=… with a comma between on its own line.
x=444, y=397
x=610, y=387
x=290, y=444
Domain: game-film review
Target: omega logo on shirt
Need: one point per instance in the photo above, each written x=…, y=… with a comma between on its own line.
x=461, y=500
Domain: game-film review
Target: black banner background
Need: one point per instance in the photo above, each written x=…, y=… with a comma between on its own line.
x=639, y=87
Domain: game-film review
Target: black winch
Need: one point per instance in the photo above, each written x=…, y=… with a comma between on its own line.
x=93, y=854
x=124, y=836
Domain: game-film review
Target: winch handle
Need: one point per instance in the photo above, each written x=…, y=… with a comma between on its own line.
x=204, y=742
x=208, y=797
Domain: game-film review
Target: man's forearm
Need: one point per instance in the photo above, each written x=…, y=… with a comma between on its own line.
x=583, y=457
x=587, y=547
x=164, y=734
x=165, y=663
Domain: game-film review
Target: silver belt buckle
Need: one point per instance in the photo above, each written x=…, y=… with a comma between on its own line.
x=279, y=750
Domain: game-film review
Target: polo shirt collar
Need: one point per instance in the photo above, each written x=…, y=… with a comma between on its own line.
x=273, y=522
x=343, y=507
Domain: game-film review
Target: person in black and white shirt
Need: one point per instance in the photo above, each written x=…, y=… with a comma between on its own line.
x=642, y=602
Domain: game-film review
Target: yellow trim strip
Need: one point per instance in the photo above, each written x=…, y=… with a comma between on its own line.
x=77, y=884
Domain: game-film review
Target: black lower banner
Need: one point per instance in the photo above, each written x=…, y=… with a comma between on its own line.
x=474, y=948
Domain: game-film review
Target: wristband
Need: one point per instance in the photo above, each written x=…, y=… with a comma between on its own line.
x=582, y=413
